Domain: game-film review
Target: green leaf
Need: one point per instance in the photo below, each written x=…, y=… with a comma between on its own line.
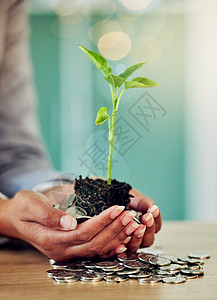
x=140, y=82
x=131, y=70
x=115, y=81
x=102, y=116
x=99, y=61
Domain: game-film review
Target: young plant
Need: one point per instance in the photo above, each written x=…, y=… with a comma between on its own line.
x=115, y=83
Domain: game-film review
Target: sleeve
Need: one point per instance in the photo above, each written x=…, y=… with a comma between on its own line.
x=23, y=159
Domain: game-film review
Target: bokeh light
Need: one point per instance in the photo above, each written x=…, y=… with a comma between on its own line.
x=114, y=45
x=66, y=7
x=147, y=48
x=96, y=11
x=136, y=4
x=101, y=28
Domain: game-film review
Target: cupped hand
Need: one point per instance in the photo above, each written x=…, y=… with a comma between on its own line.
x=151, y=221
x=31, y=217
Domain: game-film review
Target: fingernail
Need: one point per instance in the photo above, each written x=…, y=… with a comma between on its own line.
x=132, y=228
x=128, y=217
x=149, y=220
x=121, y=249
x=68, y=222
x=154, y=210
x=141, y=233
x=117, y=211
x=126, y=241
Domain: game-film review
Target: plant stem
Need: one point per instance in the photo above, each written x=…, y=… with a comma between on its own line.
x=118, y=101
x=111, y=137
x=111, y=140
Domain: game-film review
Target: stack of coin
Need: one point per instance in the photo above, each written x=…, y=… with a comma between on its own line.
x=144, y=267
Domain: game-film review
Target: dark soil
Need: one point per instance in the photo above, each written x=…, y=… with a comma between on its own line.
x=95, y=195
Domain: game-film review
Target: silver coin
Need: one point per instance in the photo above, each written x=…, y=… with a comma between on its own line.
x=108, y=273
x=166, y=273
x=128, y=272
x=199, y=255
x=57, y=280
x=110, y=278
x=197, y=272
x=134, y=264
x=90, y=276
x=60, y=264
x=118, y=269
x=50, y=273
x=75, y=267
x=144, y=257
x=152, y=279
x=128, y=256
x=90, y=265
x=76, y=211
x=190, y=276
x=172, y=267
x=174, y=280
x=115, y=278
x=194, y=272
x=107, y=264
x=191, y=260
x=140, y=275
x=52, y=261
x=181, y=262
x=67, y=202
x=194, y=267
x=71, y=280
x=195, y=261
x=121, y=278
x=64, y=274
x=173, y=258
x=159, y=261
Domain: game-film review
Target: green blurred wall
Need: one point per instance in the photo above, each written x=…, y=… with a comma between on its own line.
x=45, y=57
x=155, y=165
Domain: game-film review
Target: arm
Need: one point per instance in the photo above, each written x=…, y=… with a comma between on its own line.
x=22, y=155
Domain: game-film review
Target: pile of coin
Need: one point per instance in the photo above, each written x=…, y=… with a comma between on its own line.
x=144, y=267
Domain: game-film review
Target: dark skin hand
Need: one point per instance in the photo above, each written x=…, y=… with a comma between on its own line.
x=31, y=217
x=151, y=221
x=144, y=235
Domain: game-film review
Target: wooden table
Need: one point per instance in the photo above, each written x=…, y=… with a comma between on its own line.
x=23, y=271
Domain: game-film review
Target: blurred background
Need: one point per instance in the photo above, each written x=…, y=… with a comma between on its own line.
x=166, y=137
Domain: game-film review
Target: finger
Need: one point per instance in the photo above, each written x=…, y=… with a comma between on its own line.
x=148, y=237
x=136, y=239
x=140, y=202
x=113, y=253
x=118, y=250
x=39, y=210
x=124, y=234
x=105, y=241
x=87, y=230
x=91, y=228
x=157, y=217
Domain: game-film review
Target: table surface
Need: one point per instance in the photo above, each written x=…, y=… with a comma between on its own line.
x=23, y=271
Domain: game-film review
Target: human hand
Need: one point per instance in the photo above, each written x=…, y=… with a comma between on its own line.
x=151, y=221
x=30, y=216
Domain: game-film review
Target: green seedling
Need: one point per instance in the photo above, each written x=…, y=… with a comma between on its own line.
x=115, y=82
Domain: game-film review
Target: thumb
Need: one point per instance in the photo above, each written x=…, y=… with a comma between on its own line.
x=40, y=210
x=56, y=219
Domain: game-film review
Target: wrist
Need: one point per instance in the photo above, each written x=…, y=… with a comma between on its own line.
x=4, y=226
